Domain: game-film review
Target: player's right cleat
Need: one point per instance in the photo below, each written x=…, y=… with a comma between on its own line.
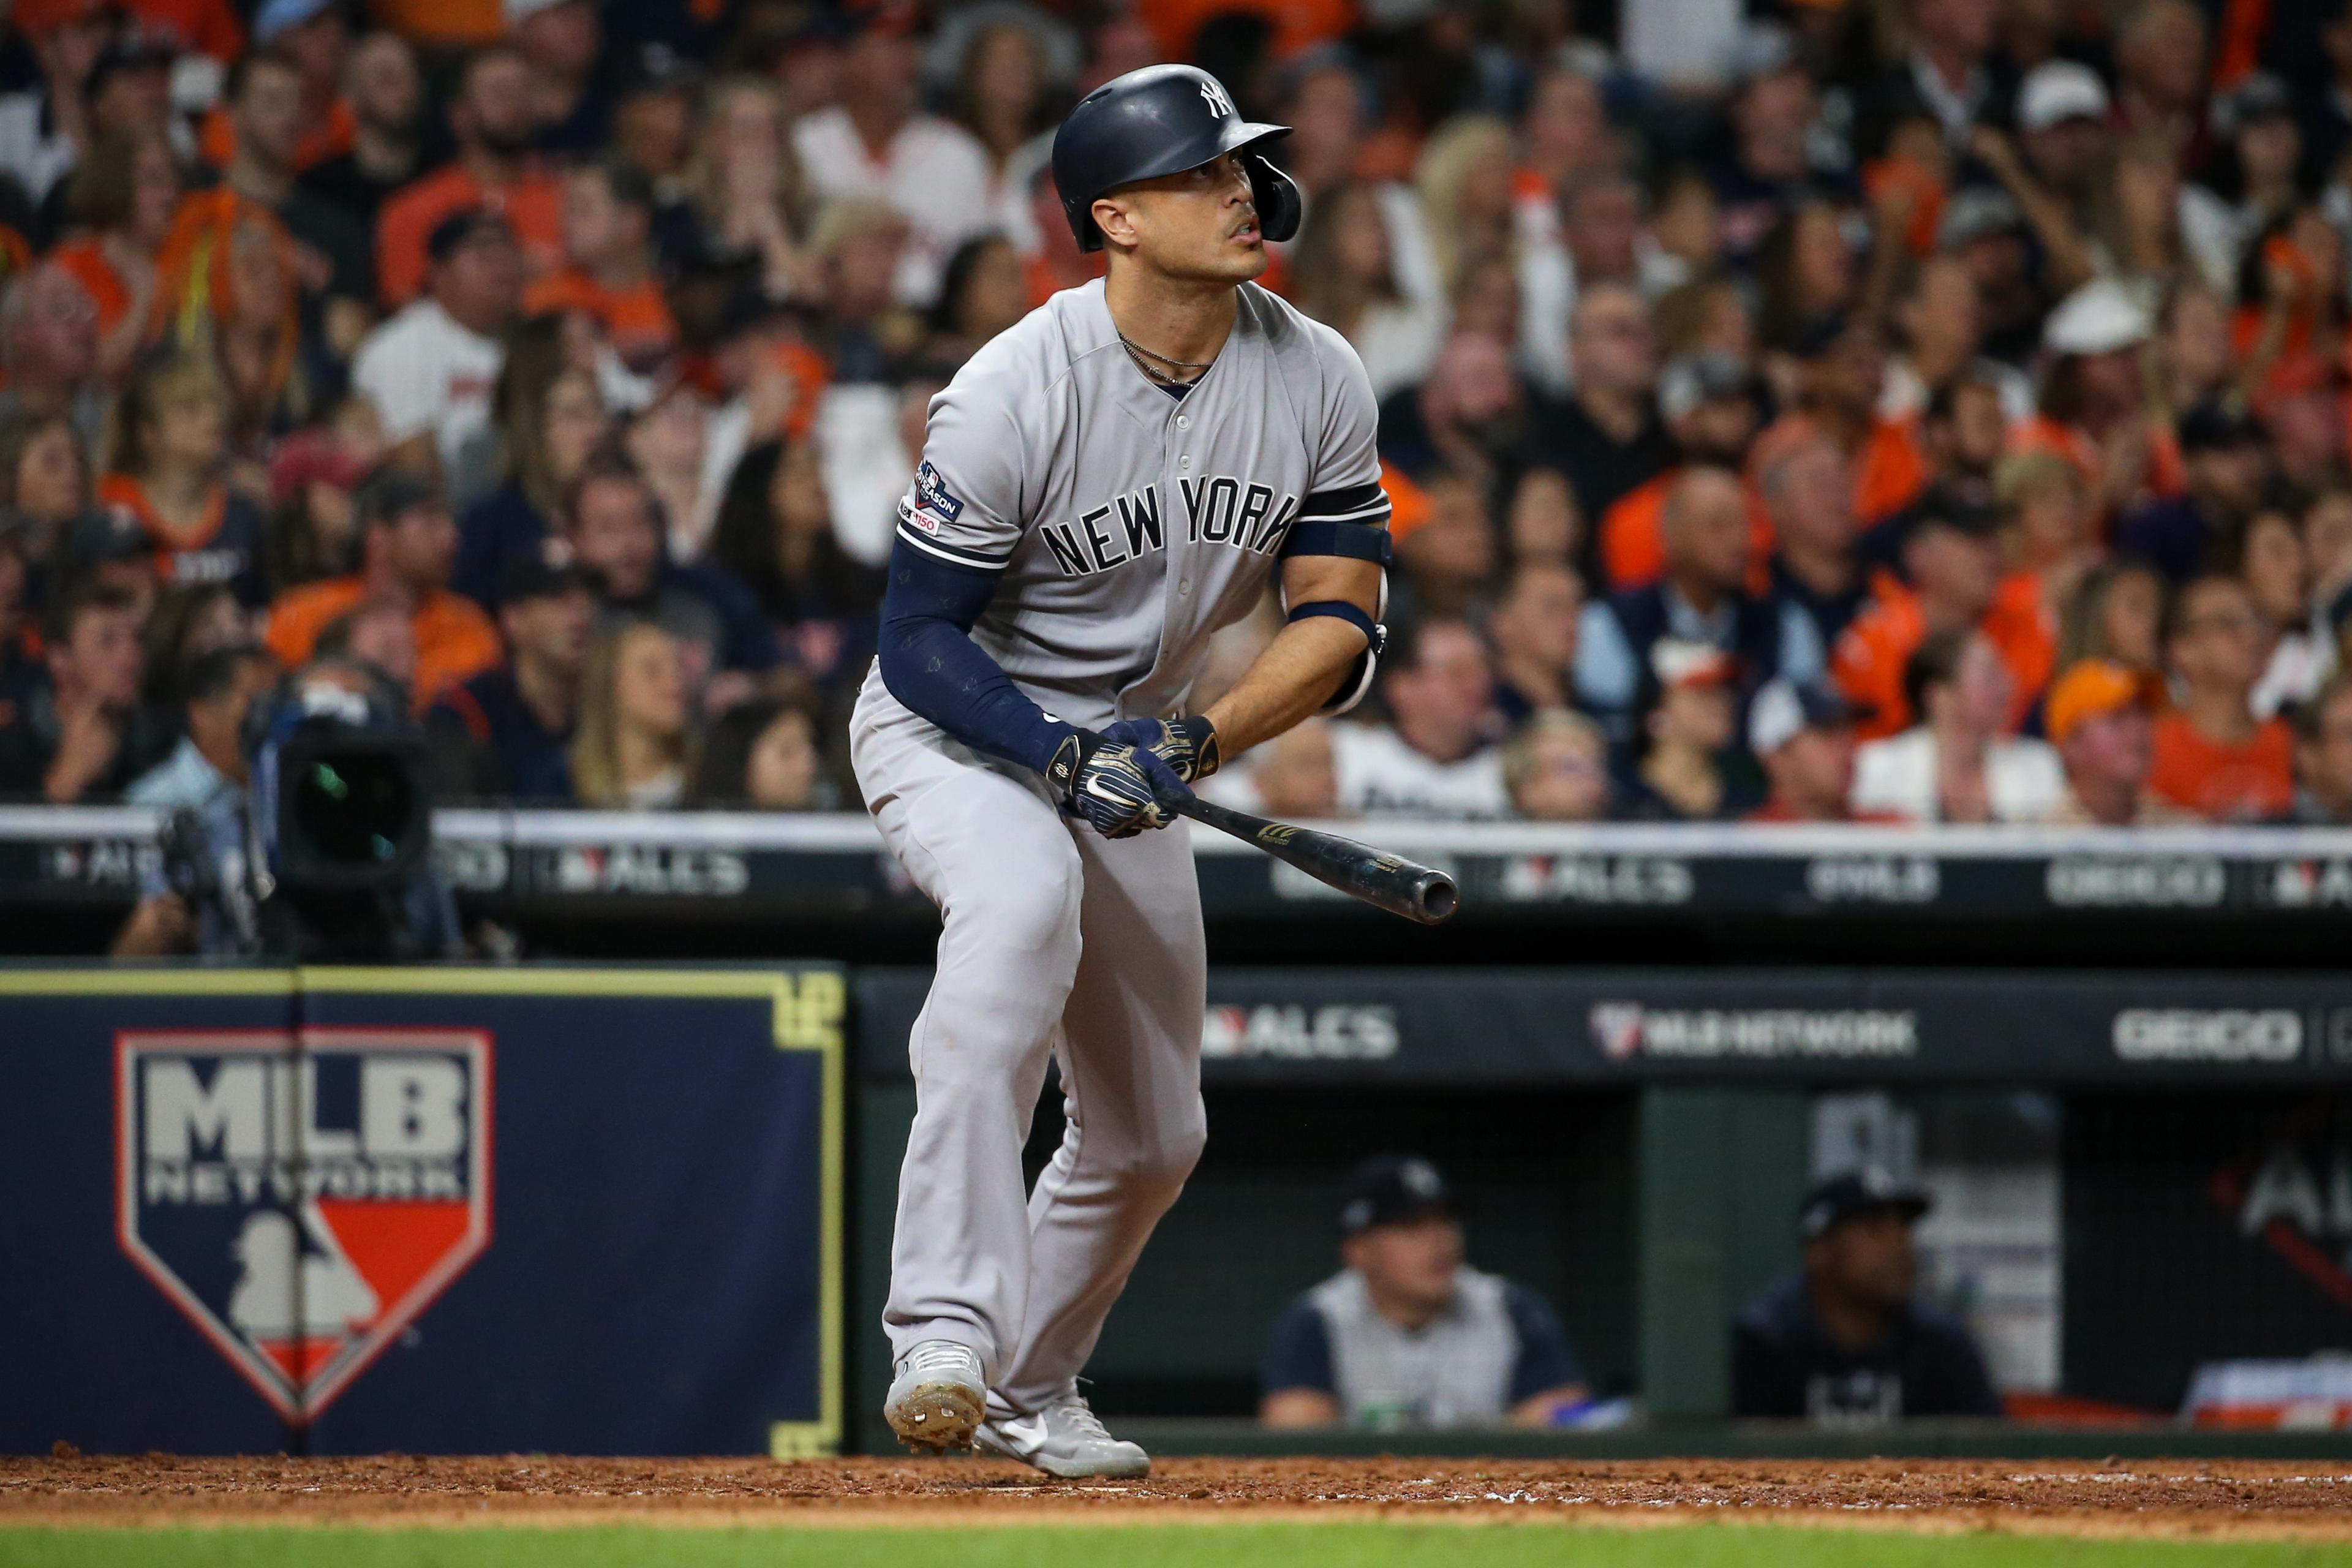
x=936, y=1397
x=1066, y=1440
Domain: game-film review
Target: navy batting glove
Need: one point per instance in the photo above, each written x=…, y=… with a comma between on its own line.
x=1189, y=746
x=1118, y=789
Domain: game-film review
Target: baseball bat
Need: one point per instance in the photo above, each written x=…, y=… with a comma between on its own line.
x=1386, y=881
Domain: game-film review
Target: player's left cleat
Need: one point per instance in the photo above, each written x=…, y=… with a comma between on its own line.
x=937, y=1397
x=1065, y=1440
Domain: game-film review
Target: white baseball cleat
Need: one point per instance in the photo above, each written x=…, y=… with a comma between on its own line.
x=1065, y=1440
x=938, y=1397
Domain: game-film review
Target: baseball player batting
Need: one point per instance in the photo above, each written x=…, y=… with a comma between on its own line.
x=1102, y=488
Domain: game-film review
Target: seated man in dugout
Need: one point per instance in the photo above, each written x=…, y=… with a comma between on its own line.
x=1844, y=1342
x=1408, y=1334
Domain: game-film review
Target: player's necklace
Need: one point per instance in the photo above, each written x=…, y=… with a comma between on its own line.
x=1143, y=358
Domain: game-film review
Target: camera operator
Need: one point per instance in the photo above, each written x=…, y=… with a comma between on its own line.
x=226, y=885
x=205, y=775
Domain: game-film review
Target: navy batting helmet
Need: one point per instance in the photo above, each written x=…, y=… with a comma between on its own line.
x=1164, y=120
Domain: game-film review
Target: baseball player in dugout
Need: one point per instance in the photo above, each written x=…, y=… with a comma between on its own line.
x=1102, y=488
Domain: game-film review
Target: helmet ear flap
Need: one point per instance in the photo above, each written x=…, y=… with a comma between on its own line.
x=1280, y=204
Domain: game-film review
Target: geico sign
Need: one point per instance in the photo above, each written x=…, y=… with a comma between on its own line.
x=2222, y=1035
x=2111, y=883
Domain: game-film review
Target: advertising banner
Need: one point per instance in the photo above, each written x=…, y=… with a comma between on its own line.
x=1502, y=1026
x=430, y=1210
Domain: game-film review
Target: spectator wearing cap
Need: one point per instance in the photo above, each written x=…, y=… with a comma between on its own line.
x=1985, y=230
x=2255, y=185
x=612, y=526
x=384, y=94
x=495, y=119
x=2094, y=406
x=2213, y=758
x=2323, y=757
x=1956, y=764
x=430, y=369
x=106, y=548
x=1709, y=403
x=1802, y=737
x=1953, y=562
x=79, y=731
x=1407, y=1335
x=1844, y=1341
x=2098, y=714
x=49, y=351
x=564, y=42
x=2053, y=171
x=608, y=217
x=1435, y=759
x=1533, y=629
x=407, y=541
x=218, y=690
x=876, y=142
x=1606, y=436
x=1951, y=76
x=312, y=34
x=1702, y=598
x=2226, y=462
x=122, y=198
x=506, y=733
x=1556, y=767
x=1808, y=490
x=129, y=88
x=1689, y=723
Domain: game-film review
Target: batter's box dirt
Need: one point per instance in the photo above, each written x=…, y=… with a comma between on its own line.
x=2144, y=1496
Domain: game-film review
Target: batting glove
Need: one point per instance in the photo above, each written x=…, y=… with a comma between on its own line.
x=1189, y=746
x=1114, y=786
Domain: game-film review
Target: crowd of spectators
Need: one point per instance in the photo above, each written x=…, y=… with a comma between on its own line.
x=1898, y=410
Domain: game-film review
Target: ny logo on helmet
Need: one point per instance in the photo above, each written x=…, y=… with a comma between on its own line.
x=1219, y=104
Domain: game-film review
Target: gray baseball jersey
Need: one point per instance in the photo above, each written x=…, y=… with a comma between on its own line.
x=1129, y=525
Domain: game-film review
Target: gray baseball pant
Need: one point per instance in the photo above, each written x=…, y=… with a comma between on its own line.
x=1056, y=941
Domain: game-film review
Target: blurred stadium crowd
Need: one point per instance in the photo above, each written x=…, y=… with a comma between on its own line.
x=1919, y=410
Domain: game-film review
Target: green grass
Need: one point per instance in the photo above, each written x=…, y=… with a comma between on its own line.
x=1212, y=1545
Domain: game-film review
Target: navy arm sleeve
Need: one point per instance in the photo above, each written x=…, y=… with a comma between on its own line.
x=1298, y=1353
x=931, y=663
x=1546, y=1361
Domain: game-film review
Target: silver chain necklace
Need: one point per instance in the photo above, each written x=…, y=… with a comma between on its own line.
x=1143, y=356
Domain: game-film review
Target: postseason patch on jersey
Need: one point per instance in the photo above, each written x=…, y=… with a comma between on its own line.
x=930, y=505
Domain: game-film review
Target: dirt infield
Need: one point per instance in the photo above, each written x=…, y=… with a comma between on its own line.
x=2159, y=1497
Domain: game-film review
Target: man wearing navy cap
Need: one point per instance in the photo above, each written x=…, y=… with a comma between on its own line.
x=1841, y=1342
x=430, y=369
x=1408, y=1334
x=507, y=733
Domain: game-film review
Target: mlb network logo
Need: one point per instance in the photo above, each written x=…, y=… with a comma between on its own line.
x=303, y=1203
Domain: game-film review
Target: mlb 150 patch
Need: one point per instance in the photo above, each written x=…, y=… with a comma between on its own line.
x=303, y=1206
